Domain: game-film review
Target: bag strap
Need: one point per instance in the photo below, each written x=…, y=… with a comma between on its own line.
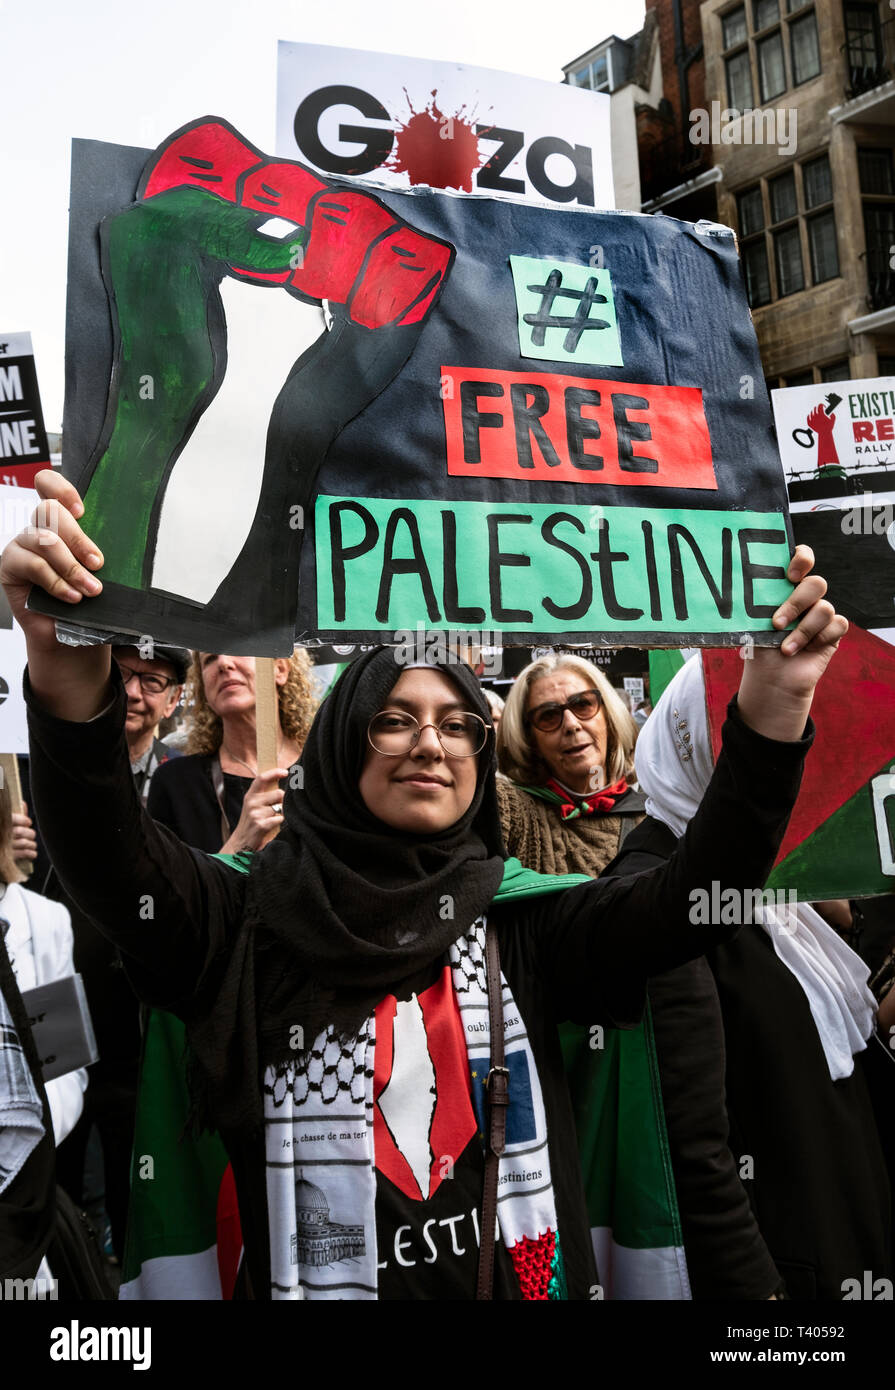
x=497, y=1093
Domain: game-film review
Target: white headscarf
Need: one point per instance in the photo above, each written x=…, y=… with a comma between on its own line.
x=674, y=763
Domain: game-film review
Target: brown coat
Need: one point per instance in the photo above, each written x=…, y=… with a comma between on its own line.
x=534, y=832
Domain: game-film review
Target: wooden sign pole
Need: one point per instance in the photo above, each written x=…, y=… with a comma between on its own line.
x=266, y=713
x=9, y=766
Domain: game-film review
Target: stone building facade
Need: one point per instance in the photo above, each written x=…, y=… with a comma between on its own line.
x=814, y=204
x=789, y=138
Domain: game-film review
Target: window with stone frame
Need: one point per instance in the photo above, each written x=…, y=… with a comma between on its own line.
x=753, y=251
x=836, y=371
x=864, y=50
x=877, y=184
x=820, y=220
x=769, y=46
x=787, y=222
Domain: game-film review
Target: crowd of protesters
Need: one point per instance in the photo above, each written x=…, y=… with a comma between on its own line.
x=359, y=971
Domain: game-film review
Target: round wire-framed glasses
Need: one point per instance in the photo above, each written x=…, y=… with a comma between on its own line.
x=394, y=733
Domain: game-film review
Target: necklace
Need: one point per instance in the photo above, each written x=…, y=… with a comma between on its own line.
x=252, y=770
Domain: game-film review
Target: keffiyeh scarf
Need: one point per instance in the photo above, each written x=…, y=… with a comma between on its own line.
x=321, y=1178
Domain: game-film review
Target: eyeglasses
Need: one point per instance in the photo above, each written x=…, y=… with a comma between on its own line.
x=150, y=682
x=547, y=718
x=394, y=733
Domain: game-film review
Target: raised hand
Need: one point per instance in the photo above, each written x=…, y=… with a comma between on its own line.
x=778, y=682
x=56, y=554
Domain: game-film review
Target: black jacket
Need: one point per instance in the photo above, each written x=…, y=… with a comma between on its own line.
x=582, y=954
x=807, y=1145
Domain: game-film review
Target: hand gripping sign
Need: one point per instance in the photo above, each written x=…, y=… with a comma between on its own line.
x=197, y=225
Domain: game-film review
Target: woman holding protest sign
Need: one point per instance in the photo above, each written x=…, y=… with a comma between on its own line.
x=342, y=991
x=216, y=798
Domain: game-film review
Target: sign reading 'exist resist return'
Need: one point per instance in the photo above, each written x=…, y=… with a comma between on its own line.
x=341, y=413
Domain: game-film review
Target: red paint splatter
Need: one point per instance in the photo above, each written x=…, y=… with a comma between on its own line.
x=432, y=148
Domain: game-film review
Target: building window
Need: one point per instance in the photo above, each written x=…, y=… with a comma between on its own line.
x=783, y=197
x=766, y=12
x=787, y=241
x=875, y=171
x=879, y=231
x=817, y=190
x=593, y=75
x=885, y=365
x=739, y=81
x=875, y=178
x=824, y=252
x=754, y=253
x=809, y=376
x=768, y=62
x=751, y=212
x=788, y=258
x=817, y=183
x=771, y=74
x=863, y=49
x=788, y=220
x=804, y=49
x=733, y=28
x=755, y=269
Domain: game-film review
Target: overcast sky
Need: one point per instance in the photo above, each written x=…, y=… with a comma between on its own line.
x=132, y=72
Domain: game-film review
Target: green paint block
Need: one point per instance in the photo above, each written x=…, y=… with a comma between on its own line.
x=566, y=312
x=393, y=565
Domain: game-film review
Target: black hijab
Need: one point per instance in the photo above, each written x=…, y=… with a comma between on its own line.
x=341, y=908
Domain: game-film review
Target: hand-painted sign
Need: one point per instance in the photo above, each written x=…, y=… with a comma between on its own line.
x=837, y=446
x=322, y=392
x=834, y=438
x=23, y=442
x=411, y=121
x=840, y=842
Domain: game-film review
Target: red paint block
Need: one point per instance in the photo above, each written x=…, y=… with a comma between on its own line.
x=572, y=429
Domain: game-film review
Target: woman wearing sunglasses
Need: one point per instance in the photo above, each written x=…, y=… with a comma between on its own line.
x=566, y=747
x=349, y=991
x=566, y=744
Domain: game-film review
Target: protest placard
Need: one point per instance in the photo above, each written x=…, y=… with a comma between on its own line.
x=399, y=122
x=24, y=449
x=837, y=447
x=305, y=411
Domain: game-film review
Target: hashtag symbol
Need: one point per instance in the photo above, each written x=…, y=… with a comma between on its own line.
x=575, y=323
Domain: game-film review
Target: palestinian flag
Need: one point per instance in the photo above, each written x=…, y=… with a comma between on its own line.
x=840, y=841
x=616, y=1094
x=625, y=1162
x=183, y=1237
x=663, y=667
